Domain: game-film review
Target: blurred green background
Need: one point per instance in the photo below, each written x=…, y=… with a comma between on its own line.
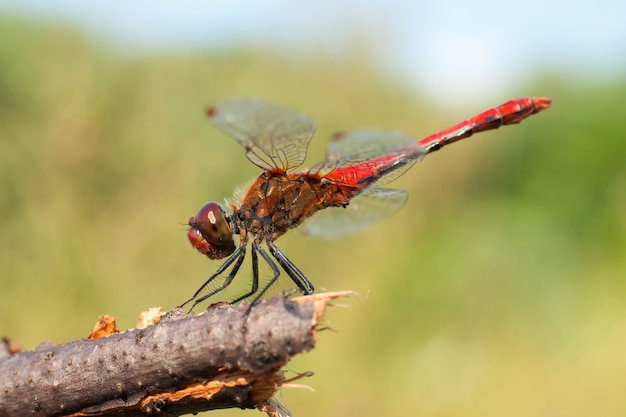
x=498, y=289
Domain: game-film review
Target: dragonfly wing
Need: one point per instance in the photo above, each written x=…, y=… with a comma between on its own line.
x=364, y=144
x=367, y=149
x=273, y=137
x=371, y=205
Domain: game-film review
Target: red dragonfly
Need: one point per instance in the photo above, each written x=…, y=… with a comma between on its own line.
x=346, y=183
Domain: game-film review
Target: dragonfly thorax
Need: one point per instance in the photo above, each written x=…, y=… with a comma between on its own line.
x=277, y=202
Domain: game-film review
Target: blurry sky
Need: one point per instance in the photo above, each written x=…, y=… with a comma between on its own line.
x=452, y=50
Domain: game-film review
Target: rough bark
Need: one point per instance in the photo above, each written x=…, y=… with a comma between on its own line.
x=182, y=364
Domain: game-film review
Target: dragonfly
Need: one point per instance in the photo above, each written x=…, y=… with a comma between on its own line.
x=338, y=196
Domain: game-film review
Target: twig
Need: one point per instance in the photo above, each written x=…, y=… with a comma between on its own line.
x=183, y=364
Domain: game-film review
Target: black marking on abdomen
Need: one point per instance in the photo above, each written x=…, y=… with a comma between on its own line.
x=384, y=170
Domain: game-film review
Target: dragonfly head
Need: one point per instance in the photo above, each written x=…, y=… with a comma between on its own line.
x=211, y=232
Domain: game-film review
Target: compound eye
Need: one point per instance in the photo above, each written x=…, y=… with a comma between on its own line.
x=213, y=224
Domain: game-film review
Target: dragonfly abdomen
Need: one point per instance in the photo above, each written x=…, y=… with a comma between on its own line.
x=381, y=170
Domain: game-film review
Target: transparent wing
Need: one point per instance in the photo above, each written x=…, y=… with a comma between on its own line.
x=364, y=144
x=371, y=151
x=273, y=137
x=371, y=205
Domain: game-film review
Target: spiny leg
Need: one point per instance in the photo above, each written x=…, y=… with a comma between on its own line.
x=292, y=270
x=255, y=277
x=239, y=255
x=275, y=270
x=226, y=282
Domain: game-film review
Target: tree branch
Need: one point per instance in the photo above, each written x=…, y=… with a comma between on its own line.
x=182, y=364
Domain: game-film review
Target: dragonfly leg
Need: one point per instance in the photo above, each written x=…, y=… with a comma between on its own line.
x=257, y=247
x=292, y=270
x=255, y=277
x=239, y=255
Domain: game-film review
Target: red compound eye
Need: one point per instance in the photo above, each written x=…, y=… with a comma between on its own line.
x=211, y=232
